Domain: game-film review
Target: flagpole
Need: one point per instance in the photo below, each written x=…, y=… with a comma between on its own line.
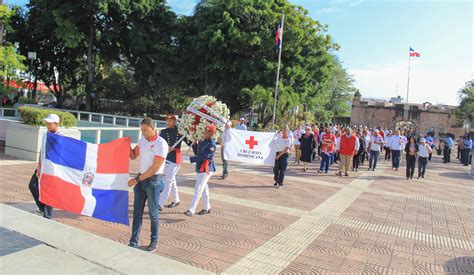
x=408, y=84
x=278, y=73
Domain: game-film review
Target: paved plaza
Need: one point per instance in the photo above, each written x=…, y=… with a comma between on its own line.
x=371, y=222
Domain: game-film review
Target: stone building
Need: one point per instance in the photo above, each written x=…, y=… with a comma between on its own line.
x=393, y=114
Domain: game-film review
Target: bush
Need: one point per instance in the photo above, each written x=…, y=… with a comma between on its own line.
x=35, y=116
x=25, y=100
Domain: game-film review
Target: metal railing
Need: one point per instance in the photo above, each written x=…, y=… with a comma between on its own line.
x=114, y=120
x=120, y=132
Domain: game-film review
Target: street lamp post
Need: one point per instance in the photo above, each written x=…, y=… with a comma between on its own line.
x=31, y=57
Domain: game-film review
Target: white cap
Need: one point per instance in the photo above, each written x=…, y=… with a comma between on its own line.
x=52, y=118
x=242, y=118
x=376, y=131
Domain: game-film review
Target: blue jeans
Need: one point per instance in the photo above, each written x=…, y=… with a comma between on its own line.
x=325, y=162
x=395, y=158
x=280, y=168
x=332, y=158
x=150, y=190
x=374, y=155
x=422, y=162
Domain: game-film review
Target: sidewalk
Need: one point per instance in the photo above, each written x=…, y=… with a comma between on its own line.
x=28, y=246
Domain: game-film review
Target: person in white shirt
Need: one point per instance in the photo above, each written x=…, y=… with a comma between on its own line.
x=396, y=143
x=297, y=134
x=52, y=124
x=283, y=144
x=424, y=150
x=148, y=184
x=241, y=125
x=376, y=141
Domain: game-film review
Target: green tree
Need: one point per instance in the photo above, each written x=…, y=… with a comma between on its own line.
x=11, y=63
x=229, y=45
x=466, y=105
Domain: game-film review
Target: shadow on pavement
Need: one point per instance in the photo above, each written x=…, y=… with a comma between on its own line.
x=460, y=265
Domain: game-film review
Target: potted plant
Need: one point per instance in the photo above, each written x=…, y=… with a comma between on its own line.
x=24, y=139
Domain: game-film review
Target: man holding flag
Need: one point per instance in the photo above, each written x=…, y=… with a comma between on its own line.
x=148, y=184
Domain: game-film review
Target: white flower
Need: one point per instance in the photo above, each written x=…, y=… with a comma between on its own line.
x=193, y=132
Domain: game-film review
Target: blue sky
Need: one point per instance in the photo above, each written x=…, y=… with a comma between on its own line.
x=375, y=35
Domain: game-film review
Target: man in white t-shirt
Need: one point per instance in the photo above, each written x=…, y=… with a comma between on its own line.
x=148, y=184
x=52, y=123
x=376, y=141
x=283, y=144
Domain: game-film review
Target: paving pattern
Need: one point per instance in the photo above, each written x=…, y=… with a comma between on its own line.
x=370, y=222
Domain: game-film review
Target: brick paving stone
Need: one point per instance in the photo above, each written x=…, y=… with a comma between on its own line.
x=393, y=226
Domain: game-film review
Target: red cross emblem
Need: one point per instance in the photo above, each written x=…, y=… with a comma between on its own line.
x=251, y=142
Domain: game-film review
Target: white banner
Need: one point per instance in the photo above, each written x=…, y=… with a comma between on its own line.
x=249, y=146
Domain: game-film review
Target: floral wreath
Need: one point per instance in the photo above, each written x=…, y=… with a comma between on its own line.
x=202, y=112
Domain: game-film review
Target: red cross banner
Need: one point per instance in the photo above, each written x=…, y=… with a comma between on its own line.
x=249, y=147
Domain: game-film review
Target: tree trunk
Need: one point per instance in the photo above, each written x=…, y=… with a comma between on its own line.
x=90, y=71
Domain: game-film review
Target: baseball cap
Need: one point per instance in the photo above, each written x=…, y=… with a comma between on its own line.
x=170, y=117
x=211, y=128
x=52, y=118
x=242, y=118
x=423, y=140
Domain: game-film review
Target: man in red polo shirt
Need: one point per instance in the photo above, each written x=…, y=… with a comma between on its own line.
x=347, y=148
x=328, y=141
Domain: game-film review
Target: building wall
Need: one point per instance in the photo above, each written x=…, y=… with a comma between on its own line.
x=442, y=120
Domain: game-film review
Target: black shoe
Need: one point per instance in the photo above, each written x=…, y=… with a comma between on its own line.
x=373, y=169
x=280, y=185
x=204, y=212
x=418, y=178
x=133, y=245
x=151, y=247
x=160, y=208
x=339, y=174
x=319, y=171
x=223, y=177
x=188, y=213
x=346, y=175
x=172, y=205
x=39, y=211
x=275, y=184
x=423, y=176
x=369, y=169
x=325, y=172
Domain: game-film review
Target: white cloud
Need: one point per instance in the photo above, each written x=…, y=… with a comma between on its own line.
x=435, y=86
x=330, y=10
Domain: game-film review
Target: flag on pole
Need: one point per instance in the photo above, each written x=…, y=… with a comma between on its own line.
x=85, y=178
x=279, y=35
x=249, y=146
x=414, y=53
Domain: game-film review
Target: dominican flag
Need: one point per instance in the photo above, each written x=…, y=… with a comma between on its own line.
x=279, y=35
x=413, y=53
x=85, y=178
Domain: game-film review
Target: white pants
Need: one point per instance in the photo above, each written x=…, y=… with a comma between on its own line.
x=201, y=188
x=171, y=169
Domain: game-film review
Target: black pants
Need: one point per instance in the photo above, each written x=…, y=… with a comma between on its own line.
x=422, y=162
x=387, y=153
x=411, y=161
x=362, y=157
x=356, y=161
x=465, y=156
x=314, y=153
x=447, y=155
x=280, y=168
x=34, y=189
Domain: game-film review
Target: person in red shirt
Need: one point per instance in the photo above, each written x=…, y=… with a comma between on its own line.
x=347, y=149
x=328, y=141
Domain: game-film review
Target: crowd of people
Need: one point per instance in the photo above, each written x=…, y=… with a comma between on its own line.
x=352, y=147
x=159, y=154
